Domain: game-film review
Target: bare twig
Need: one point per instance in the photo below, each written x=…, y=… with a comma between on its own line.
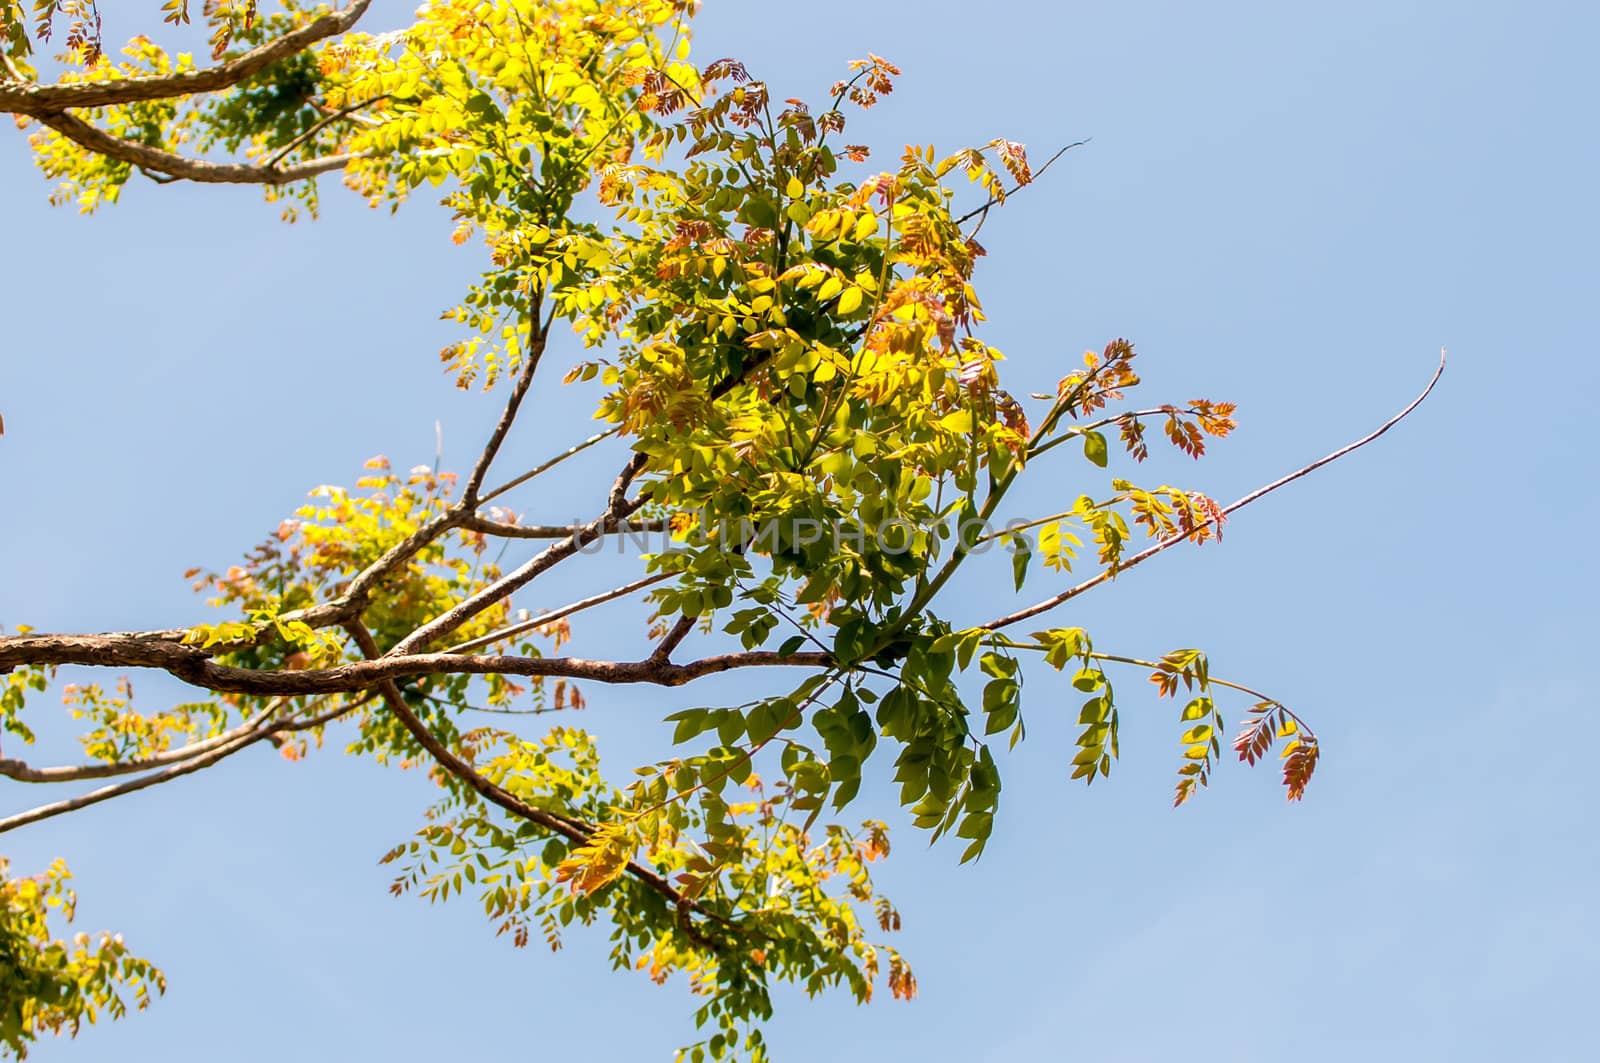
x=472, y=605
x=546, y=466
x=1174, y=540
x=320, y=125
x=551, y=617
x=22, y=772
x=469, y=494
x=974, y=212
x=182, y=768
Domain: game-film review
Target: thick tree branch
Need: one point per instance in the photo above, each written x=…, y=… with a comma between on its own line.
x=182, y=167
x=673, y=638
x=505, y=530
x=194, y=666
x=40, y=100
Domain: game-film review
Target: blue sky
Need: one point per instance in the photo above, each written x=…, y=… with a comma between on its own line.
x=1286, y=205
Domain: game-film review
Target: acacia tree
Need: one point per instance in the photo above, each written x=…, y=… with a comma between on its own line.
x=800, y=407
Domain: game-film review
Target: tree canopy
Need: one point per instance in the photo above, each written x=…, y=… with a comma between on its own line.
x=782, y=335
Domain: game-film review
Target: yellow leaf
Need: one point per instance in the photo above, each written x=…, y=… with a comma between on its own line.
x=597, y=863
x=850, y=300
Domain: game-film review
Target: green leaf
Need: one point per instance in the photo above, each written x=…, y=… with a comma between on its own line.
x=1094, y=448
x=998, y=665
x=978, y=825
x=1002, y=713
x=691, y=722
x=1021, y=555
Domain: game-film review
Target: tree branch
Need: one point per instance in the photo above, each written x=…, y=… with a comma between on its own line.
x=179, y=166
x=194, y=666
x=321, y=124
x=974, y=212
x=40, y=100
x=469, y=494
x=471, y=606
x=186, y=767
x=505, y=530
x=571, y=829
x=1174, y=540
x=558, y=614
x=618, y=508
x=21, y=772
x=673, y=638
x=552, y=463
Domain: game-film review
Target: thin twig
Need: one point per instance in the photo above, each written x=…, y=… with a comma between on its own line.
x=508, y=584
x=469, y=494
x=1174, y=540
x=106, y=793
x=21, y=772
x=541, y=710
x=618, y=508
x=556, y=614
x=320, y=125
x=973, y=213
x=552, y=463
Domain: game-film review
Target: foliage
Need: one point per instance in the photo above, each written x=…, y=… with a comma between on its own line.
x=784, y=345
x=48, y=985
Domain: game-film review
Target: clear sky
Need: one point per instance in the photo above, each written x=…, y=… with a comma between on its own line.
x=1288, y=205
